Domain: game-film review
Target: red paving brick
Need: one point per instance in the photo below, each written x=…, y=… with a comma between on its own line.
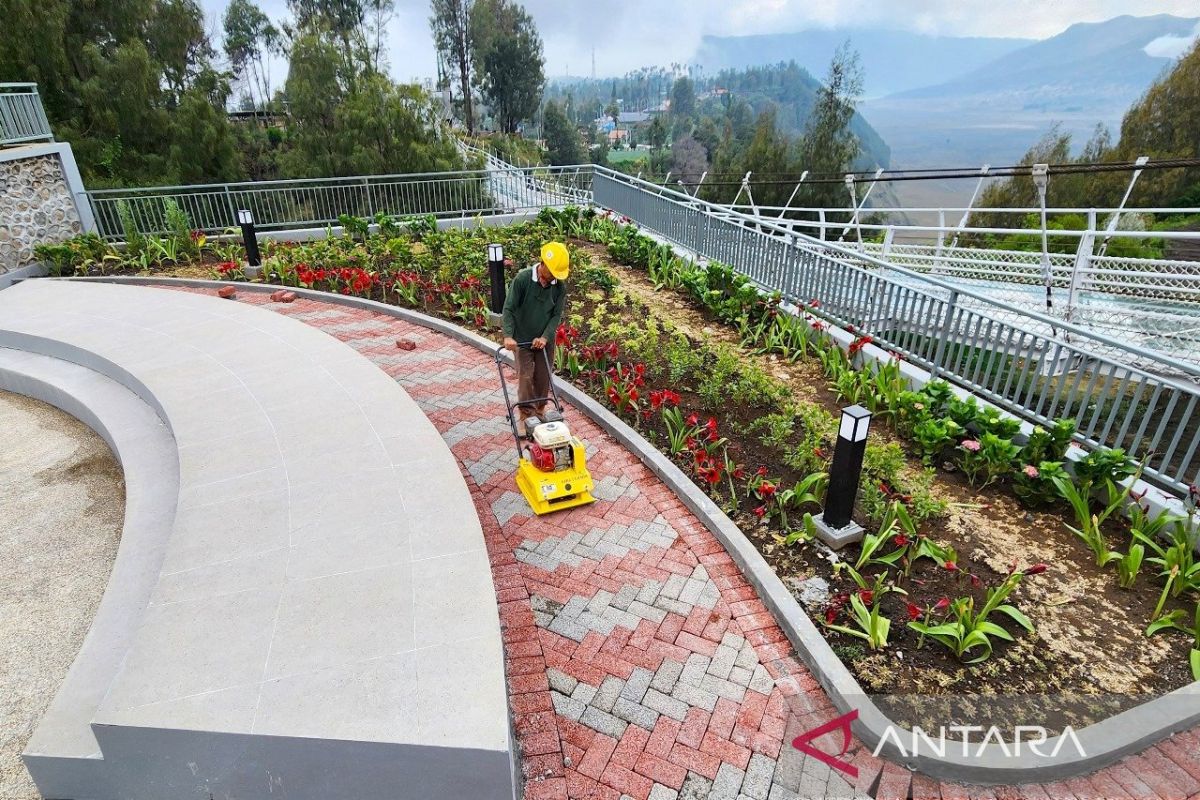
x=604, y=768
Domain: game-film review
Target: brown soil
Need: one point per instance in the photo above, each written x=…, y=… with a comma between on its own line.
x=1088, y=632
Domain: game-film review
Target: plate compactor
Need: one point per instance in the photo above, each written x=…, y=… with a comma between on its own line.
x=552, y=471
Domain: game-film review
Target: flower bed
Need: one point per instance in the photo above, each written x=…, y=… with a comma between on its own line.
x=970, y=581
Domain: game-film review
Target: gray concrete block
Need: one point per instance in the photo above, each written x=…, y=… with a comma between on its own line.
x=561, y=681
x=636, y=713
x=567, y=706
x=637, y=684
x=608, y=693
x=665, y=704
x=728, y=783
x=666, y=676
x=602, y=721
x=759, y=771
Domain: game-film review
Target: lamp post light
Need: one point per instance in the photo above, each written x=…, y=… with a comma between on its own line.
x=834, y=525
x=495, y=256
x=250, y=241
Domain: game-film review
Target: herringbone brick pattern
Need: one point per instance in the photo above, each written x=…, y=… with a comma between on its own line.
x=641, y=663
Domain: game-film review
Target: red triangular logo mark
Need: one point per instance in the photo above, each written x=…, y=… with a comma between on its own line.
x=801, y=743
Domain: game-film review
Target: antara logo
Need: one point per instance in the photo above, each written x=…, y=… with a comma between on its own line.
x=938, y=745
x=841, y=723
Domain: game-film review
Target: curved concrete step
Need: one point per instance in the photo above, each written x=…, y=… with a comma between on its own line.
x=324, y=577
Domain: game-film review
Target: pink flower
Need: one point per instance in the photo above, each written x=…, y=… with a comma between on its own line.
x=942, y=605
x=971, y=445
x=1030, y=471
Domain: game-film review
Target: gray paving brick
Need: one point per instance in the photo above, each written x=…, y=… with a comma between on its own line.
x=814, y=778
x=640, y=609
x=636, y=713
x=740, y=676
x=626, y=596
x=599, y=601
x=568, y=628
x=722, y=662
x=709, y=597
x=584, y=693
x=664, y=704
x=608, y=693
x=649, y=593
x=561, y=681
x=726, y=689
x=574, y=607
x=674, y=586
x=694, y=669
x=789, y=768
x=761, y=682
x=727, y=783
x=757, y=782
x=567, y=706
x=604, y=722
x=780, y=793
x=694, y=696
x=637, y=684
x=667, y=604
x=660, y=792
x=747, y=658
x=695, y=787
x=666, y=676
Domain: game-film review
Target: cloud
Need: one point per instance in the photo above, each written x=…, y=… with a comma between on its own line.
x=627, y=34
x=1172, y=46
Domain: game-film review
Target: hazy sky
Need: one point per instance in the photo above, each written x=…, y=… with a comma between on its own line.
x=627, y=34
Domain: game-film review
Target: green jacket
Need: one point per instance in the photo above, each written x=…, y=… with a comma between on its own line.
x=532, y=310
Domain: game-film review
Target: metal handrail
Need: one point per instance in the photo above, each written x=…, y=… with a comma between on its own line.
x=22, y=118
x=1034, y=365
x=856, y=255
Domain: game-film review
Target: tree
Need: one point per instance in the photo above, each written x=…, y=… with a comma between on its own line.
x=828, y=145
x=451, y=25
x=688, y=160
x=250, y=38
x=683, y=98
x=509, y=61
x=657, y=133
x=562, y=139
x=355, y=28
x=112, y=75
x=613, y=112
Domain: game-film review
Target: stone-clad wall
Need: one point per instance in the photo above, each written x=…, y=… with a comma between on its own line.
x=36, y=205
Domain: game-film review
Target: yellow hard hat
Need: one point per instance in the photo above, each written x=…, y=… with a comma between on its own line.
x=557, y=259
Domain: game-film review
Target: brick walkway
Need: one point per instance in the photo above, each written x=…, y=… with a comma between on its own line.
x=641, y=663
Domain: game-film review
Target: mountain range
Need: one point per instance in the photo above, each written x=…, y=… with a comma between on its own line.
x=946, y=101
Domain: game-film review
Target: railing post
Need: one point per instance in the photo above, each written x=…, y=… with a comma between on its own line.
x=888, y=236
x=941, y=237
x=233, y=215
x=1083, y=262
x=951, y=306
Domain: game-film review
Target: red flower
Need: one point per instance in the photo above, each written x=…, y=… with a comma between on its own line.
x=766, y=489
x=900, y=540
x=670, y=397
x=711, y=425
x=866, y=595
x=819, y=452
x=761, y=472
x=831, y=615
x=692, y=419
x=951, y=566
x=914, y=611
x=714, y=475
x=942, y=605
x=1037, y=569
x=975, y=581
x=739, y=472
x=814, y=303
x=760, y=511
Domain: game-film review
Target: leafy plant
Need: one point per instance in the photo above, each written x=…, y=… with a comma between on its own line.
x=870, y=625
x=966, y=629
x=135, y=241
x=1103, y=465
x=1177, y=561
x=1034, y=485
x=932, y=436
x=1089, y=529
x=996, y=457
x=679, y=429
x=1176, y=620
x=1129, y=565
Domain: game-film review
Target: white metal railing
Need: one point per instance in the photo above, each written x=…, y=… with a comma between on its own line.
x=22, y=118
x=308, y=203
x=1034, y=365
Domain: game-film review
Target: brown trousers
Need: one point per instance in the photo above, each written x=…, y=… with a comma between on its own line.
x=533, y=379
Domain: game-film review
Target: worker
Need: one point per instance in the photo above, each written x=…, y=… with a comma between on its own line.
x=532, y=311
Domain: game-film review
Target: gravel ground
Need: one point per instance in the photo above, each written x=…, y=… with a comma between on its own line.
x=62, y=501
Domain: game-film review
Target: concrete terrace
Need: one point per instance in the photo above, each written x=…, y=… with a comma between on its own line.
x=318, y=572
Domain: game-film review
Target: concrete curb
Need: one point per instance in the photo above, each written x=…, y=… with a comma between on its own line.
x=1101, y=744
